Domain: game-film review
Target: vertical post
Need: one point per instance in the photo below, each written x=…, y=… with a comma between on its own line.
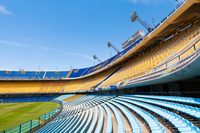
x=20, y=128
x=45, y=117
x=31, y=122
x=39, y=121
x=48, y=114
x=51, y=113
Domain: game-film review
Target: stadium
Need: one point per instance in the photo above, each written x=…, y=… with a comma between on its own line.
x=152, y=85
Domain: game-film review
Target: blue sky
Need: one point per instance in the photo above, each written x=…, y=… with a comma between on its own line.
x=60, y=34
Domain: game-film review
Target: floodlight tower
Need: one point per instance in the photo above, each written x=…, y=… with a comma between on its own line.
x=135, y=17
x=110, y=45
x=96, y=58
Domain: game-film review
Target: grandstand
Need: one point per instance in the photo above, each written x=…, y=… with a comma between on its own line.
x=127, y=113
x=150, y=86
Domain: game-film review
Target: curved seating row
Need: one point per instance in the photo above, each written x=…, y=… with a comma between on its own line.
x=120, y=123
x=99, y=127
x=179, y=122
x=131, y=118
x=173, y=98
x=109, y=128
x=94, y=121
x=151, y=121
x=96, y=113
x=190, y=110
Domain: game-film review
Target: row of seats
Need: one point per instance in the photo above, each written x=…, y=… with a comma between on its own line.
x=189, y=100
x=124, y=113
x=52, y=86
x=33, y=74
x=91, y=82
x=193, y=111
x=145, y=62
x=30, y=87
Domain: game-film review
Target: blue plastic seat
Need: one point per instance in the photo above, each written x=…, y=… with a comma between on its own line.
x=190, y=110
x=120, y=123
x=135, y=125
x=178, y=121
x=99, y=127
x=153, y=123
x=94, y=122
x=109, y=128
x=172, y=98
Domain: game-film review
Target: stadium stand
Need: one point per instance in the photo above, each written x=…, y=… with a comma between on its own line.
x=177, y=41
x=21, y=75
x=112, y=93
x=19, y=87
x=145, y=62
x=180, y=107
x=77, y=73
x=107, y=109
x=57, y=74
x=173, y=98
x=11, y=87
